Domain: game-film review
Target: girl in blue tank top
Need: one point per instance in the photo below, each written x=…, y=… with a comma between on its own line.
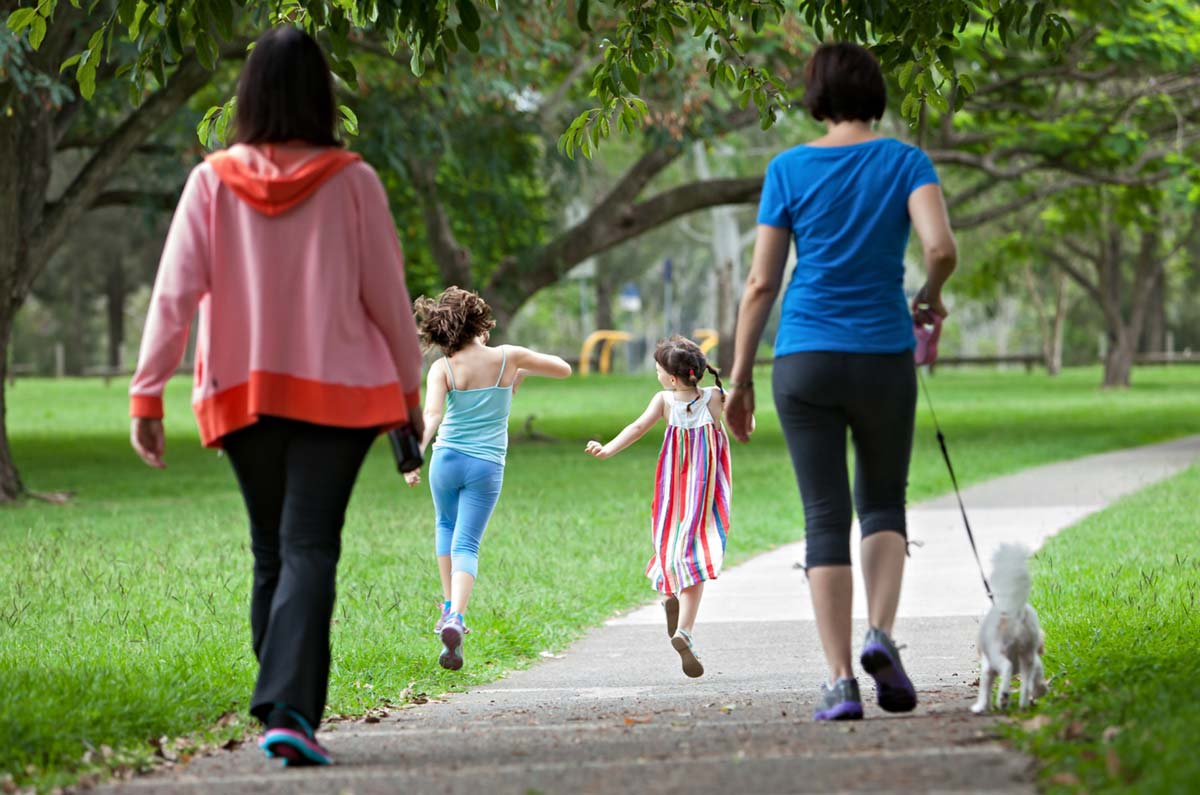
x=468, y=398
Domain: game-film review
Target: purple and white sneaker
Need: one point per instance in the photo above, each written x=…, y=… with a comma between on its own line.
x=452, y=638
x=881, y=659
x=840, y=702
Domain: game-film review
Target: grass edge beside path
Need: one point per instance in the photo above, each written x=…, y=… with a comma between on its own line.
x=1117, y=596
x=108, y=665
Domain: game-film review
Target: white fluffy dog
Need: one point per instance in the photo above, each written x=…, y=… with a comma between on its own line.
x=1010, y=638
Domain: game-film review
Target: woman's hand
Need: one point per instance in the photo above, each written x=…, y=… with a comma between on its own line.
x=149, y=441
x=598, y=450
x=926, y=304
x=412, y=478
x=739, y=412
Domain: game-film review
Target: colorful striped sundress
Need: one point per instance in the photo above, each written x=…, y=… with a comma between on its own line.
x=692, y=489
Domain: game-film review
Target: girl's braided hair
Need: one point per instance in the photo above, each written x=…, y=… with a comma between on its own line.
x=682, y=358
x=453, y=319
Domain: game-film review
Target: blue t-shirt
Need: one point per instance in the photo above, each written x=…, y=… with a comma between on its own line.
x=847, y=207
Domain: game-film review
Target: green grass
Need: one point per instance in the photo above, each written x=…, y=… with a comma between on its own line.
x=1117, y=596
x=123, y=615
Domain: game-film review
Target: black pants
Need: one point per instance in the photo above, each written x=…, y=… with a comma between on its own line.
x=819, y=395
x=296, y=479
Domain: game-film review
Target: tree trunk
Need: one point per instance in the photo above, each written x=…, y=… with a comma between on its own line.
x=26, y=148
x=114, y=293
x=76, y=327
x=726, y=315
x=1118, y=362
x=1054, y=357
x=604, y=298
x=1154, y=335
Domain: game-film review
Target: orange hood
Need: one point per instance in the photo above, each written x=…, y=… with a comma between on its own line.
x=275, y=178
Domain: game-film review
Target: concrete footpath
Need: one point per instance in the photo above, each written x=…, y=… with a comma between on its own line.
x=615, y=714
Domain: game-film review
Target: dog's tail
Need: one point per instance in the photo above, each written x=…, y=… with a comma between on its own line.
x=1010, y=578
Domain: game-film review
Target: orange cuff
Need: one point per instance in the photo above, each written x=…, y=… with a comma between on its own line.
x=149, y=407
x=413, y=399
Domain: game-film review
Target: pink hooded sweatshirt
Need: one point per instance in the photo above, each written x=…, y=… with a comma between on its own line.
x=291, y=256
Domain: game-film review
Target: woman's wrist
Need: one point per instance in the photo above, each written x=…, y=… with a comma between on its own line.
x=747, y=383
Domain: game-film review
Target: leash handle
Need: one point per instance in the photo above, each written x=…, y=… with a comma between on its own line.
x=941, y=437
x=927, y=335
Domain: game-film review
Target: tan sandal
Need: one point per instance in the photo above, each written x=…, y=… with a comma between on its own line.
x=681, y=641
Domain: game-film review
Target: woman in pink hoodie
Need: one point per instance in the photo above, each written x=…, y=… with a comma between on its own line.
x=306, y=350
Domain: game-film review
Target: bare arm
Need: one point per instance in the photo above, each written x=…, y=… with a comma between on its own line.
x=435, y=411
x=634, y=431
x=927, y=209
x=762, y=288
x=530, y=362
x=435, y=402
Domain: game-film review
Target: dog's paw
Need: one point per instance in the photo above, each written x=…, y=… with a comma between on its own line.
x=1002, y=701
x=979, y=708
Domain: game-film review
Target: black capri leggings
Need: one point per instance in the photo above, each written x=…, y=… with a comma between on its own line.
x=818, y=396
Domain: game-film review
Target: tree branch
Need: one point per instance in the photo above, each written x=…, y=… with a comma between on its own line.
x=1078, y=276
x=108, y=159
x=452, y=258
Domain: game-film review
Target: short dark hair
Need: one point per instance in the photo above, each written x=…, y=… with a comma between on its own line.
x=844, y=82
x=285, y=92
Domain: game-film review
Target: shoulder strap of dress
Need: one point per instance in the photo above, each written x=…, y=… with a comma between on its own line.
x=503, y=363
x=449, y=371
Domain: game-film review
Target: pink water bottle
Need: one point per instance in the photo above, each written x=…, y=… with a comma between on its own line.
x=927, y=326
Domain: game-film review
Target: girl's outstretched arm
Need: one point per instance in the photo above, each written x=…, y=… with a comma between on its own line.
x=435, y=410
x=530, y=362
x=634, y=431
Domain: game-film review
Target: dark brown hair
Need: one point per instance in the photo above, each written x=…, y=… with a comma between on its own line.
x=453, y=319
x=682, y=358
x=285, y=92
x=844, y=82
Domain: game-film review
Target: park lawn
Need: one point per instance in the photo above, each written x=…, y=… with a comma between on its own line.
x=1117, y=597
x=123, y=613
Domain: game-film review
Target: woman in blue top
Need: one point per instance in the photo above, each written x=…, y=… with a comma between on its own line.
x=468, y=397
x=844, y=351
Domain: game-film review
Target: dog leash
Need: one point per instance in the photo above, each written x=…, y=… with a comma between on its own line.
x=926, y=354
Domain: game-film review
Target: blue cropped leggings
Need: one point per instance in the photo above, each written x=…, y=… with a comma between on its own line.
x=465, y=491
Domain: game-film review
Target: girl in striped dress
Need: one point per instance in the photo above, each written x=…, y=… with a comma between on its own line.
x=692, y=487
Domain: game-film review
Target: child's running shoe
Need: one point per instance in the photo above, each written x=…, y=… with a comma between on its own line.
x=291, y=738
x=441, y=622
x=840, y=702
x=452, y=638
x=681, y=641
x=671, y=608
x=881, y=659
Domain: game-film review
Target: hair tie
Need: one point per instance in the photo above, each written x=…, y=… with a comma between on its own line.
x=691, y=373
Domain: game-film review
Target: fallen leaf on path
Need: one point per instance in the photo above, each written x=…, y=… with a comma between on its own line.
x=630, y=720
x=1065, y=779
x=728, y=708
x=549, y=655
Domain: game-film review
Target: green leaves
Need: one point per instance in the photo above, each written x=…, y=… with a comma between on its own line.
x=349, y=120
x=213, y=129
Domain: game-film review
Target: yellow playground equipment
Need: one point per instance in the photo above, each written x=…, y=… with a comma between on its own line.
x=707, y=338
x=606, y=339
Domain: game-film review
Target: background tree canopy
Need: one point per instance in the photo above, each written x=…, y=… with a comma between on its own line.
x=475, y=112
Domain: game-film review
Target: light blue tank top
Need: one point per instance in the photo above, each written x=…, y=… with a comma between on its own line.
x=476, y=420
